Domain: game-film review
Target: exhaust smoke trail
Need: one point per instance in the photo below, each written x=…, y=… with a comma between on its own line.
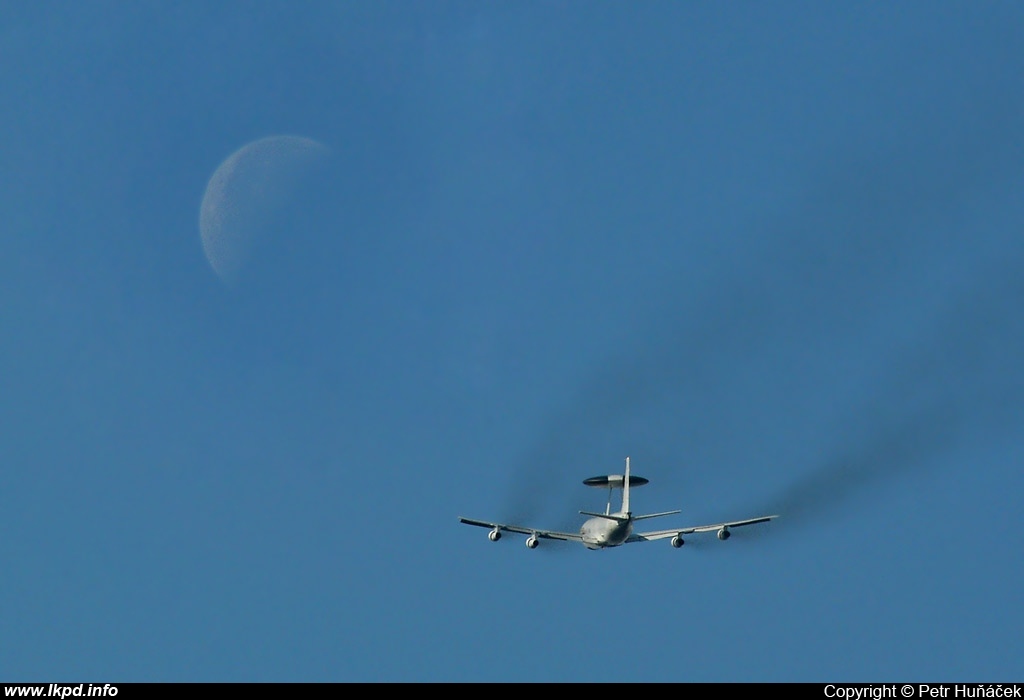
x=961, y=385
x=850, y=280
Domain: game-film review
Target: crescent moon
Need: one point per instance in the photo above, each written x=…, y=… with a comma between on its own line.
x=243, y=193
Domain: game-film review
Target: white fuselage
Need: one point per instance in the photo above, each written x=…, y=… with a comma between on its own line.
x=598, y=533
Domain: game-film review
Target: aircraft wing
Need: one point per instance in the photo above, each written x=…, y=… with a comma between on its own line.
x=543, y=534
x=662, y=534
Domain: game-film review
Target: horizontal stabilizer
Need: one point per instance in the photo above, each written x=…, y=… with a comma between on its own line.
x=656, y=515
x=611, y=516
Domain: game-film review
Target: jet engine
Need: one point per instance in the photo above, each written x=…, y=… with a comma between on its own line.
x=494, y=535
x=677, y=541
x=532, y=542
x=724, y=534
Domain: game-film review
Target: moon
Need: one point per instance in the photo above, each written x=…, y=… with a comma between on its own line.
x=245, y=192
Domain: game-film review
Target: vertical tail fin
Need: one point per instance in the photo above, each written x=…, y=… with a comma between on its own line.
x=625, y=489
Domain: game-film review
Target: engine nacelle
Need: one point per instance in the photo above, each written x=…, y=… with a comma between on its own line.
x=494, y=535
x=724, y=534
x=677, y=542
x=532, y=542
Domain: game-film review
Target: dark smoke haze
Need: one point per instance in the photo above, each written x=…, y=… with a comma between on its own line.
x=961, y=385
x=883, y=317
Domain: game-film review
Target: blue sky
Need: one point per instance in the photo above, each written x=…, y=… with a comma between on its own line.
x=771, y=251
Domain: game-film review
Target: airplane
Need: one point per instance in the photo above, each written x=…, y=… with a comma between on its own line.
x=610, y=529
